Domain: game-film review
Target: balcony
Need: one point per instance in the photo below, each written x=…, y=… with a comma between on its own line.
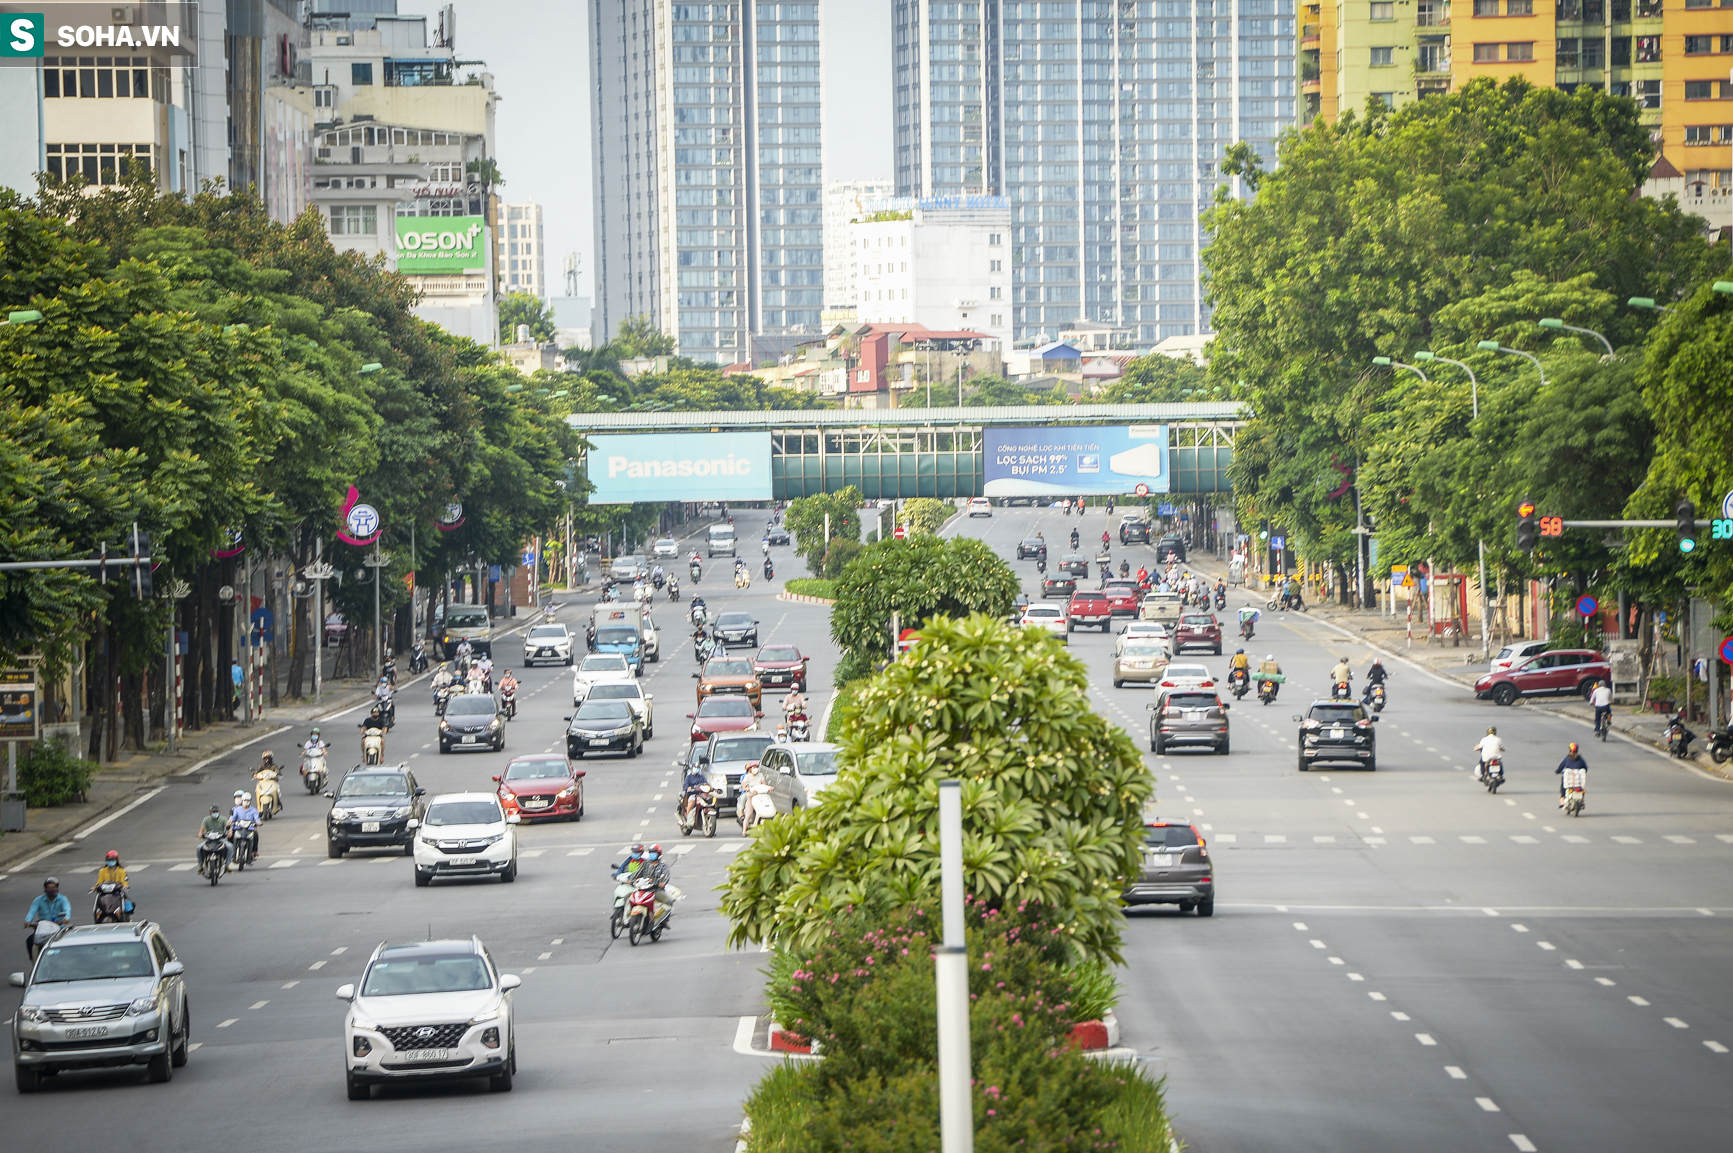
x=1311, y=87
x=1310, y=37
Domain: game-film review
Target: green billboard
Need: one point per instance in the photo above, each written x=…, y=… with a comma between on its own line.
x=441, y=244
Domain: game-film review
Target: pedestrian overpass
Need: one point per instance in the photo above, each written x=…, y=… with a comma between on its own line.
x=935, y=452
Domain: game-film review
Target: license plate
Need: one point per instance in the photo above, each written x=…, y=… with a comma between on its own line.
x=427, y=1055
x=1161, y=860
x=468, y=741
x=369, y=826
x=1336, y=734
x=87, y=1031
x=461, y=861
x=535, y=804
x=598, y=742
x=544, y=652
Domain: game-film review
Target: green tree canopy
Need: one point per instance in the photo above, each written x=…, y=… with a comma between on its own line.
x=1159, y=379
x=997, y=392
x=805, y=518
x=924, y=514
x=921, y=577
x=637, y=337
x=517, y=308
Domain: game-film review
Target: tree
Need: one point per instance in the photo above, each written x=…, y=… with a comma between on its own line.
x=997, y=392
x=924, y=514
x=517, y=308
x=1052, y=793
x=637, y=337
x=1160, y=379
x=806, y=520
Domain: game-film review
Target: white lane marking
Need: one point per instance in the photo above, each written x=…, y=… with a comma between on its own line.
x=1675, y=1022
x=84, y=869
x=1528, y=816
x=116, y=815
x=557, y=941
x=1526, y=840
x=1715, y=1046
x=181, y=868
x=1605, y=981
x=1377, y=840
x=1363, y=816
x=743, y=1037
x=1377, y=996
x=291, y=984
x=1402, y=1017
x=1523, y=1144
x=1423, y=1038
x=658, y=797
x=1570, y=964
x=532, y=852
x=1519, y=928
x=284, y=863
x=731, y=847
x=1547, y=945
x=1323, y=840
x=526, y=971
x=1456, y=1073
x=1335, y=790
x=1275, y=839
x=1317, y=944
x=1300, y=925
x=1355, y=977
x=1474, y=840
x=317, y=965
x=1574, y=840
x=543, y=956
x=339, y=950
x=1337, y=961
x=1422, y=840
x=333, y=861
x=1705, y=912
x=427, y=746
x=1228, y=838
x=226, y=1024
x=258, y=1004
x=580, y=852
x=1638, y=1001
x=1488, y=1104
x=641, y=824
x=1628, y=840
x=48, y=852
x=1726, y=837
x=195, y=1045
x=682, y=850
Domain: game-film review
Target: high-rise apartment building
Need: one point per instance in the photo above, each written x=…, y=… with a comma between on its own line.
x=943, y=263
x=844, y=201
x=521, y=264
x=708, y=170
x=1103, y=123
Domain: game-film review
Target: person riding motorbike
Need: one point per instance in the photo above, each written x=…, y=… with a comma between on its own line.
x=1074, y=538
x=1239, y=668
x=474, y=680
x=51, y=906
x=656, y=870
x=1490, y=748
x=442, y=678
x=244, y=811
x=214, y=823
x=1573, y=760
x=485, y=664
x=633, y=862
x=1291, y=593
x=1376, y=675
x=673, y=588
x=751, y=783
x=375, y=719
x=508, y=692
x=689, y=791
x=793, y=704
x=1270, y=667
x=657, y=576
x=113, y=872
x=465, y=650
x=315, y=745
x=1602, y=699
x=268, y=764
x=764, y=545
x=1248, y=621
x=1124, y=569
x=769, y=569
x=1341, y=676
x=1041, y=565
x=1106, y=540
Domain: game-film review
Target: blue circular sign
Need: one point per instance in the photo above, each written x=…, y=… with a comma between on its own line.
x=1727, y=649
x=1587, y=606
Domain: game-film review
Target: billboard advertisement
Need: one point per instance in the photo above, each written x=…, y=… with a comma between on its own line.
x=694, y=466
x=1075, y=461
x=441, y=244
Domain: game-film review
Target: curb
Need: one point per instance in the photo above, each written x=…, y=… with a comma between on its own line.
x=801, y=598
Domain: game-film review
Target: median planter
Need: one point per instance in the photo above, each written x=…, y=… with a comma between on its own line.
x=1092, y=1036
x=782, y=1041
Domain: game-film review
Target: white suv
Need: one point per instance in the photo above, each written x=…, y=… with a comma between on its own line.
x=465, y=835
x=548, y=643
x=1053, y=618
x=980, y=506
x=431, y=1011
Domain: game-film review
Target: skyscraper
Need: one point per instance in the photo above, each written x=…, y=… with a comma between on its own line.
x=1103, y=122
x=521, y=265
x=708, y=172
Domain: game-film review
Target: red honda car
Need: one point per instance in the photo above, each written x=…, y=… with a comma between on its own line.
x=781, y=666
x=723, y=714
x=542, y=786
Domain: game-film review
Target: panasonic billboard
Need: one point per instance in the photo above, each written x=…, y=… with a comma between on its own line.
x=695, y=466
x=1066, y=460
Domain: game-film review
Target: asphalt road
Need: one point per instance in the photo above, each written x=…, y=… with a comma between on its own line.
x=1397, y=961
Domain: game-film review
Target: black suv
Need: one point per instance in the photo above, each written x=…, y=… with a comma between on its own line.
x=1172, y=545
x=1339, y=731
x=371, y=809
x=736, y=629
x=1074, y=564
x=1133, y=531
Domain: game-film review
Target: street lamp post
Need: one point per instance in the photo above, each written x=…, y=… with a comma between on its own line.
x=1386, y=362
x=1494, y=346
x=1474, y=401
x=376, y=562
x=1556, y=324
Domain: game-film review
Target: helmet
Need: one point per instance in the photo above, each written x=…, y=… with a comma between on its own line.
x=1492, y=730
x=1237, y=652
x=112, y=855
x=266, y=756
x=246, y=798
x=657, y=849
x=315, y=730
x=639, y=847
x=239, y=793
x=1573, y=748
x=1269, y=656
x=214, y=808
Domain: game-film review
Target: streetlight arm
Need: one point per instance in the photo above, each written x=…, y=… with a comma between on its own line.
x=1494, y=346
x=1559, y=324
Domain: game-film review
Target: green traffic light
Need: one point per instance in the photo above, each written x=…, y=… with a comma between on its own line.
x=1686, y=544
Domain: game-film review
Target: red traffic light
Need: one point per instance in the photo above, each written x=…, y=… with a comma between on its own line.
x=1525, y=509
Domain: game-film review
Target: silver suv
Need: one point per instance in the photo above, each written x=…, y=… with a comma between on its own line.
x=100, y=996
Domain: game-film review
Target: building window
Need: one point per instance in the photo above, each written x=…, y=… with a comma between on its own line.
x=1387, y=99
x=995, y=266
x=67, y=77
x=1621, y=51
x=1649, y=93
x=995, y=293
x=1383, y=10
x=1486, y=7
x=1648, y=49
x=1647, y=8
x=1434, y=56
x=360, y=74
x=1699, y=45
x=354, y=220
x=1485, y=53
x=325, y=96
x=996, y=320
x=995, y=238
x=1703, y=134
x=1519, y=8
x=1699, y=90
x=1522, y=51
x=1431, y=14
x=1383, y=57
x=97, y=163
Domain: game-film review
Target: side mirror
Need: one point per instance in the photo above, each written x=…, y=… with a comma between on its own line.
x=496, y=778
x=513, y=819
x=509, y=981
x=567, y=717
x=173, y=969
x=1298, y=718
x=695, y=677
x=345, y=992
x=16, y=980
x=412, y=824
x=1375, y=718
x=420, y=792
x=690, y=716
x=331, y=796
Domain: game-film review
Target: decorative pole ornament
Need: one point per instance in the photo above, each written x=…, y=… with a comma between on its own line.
x=452, y=519
x=234, y=547
x=361, y=524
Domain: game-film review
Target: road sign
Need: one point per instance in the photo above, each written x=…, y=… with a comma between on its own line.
x=493, y=573
x=1727, y=649
x=529, y=558
x=1727, y=506
x=1587, y=606
x=264, y=621
x=1278, y=542
x=1143, y=490
x=20, y=718
x=1164, y=509
x=899, y=533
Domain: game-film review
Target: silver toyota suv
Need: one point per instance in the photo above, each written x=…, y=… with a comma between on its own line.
x=100, y=996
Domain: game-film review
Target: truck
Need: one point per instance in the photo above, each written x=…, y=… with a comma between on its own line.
x=1163, y=607
x=1089, y=608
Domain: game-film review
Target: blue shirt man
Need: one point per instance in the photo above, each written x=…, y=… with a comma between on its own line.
x=244, y=811
x=51, y=906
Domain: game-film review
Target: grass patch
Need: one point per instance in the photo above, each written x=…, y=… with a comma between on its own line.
x=812, y=587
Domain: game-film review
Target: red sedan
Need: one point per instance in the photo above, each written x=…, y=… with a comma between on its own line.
x=542, y=786
x=723, y=714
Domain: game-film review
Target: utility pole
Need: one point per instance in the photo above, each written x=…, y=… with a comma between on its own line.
x=951, y=961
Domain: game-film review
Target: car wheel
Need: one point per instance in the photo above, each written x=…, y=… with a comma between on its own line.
x=444, y=748
x=508, y=874
x=178, y=1045
x=1218, y=650
x=502, y=1083
x=29, y=1078
x=160, y=1068
x=1587, y=688
x=1372, y=765
x=1505, y=695
x=1206, y=907
x=527, y=665
x=422, y=878
x=649, y=734
x=334, y=848
x=575, y=754
x=358, y=1090
x=1157, y=745
x=1303, y=765
x=409, y=847
x=568, y=662
x=1223, y=748
x=1118, y=684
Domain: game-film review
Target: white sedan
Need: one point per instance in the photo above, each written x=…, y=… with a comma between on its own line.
x=598, y=668
x=1178, y=676
x=1142, y=631
x=1050, y=617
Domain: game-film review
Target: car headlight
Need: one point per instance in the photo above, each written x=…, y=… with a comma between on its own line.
x=443, y=723
x=569, y=791
x=485, y=1018
x=495, y=839
x=703, y=688
x=31, y=1013
x=495, y=723
x=142, y=1005
x=402, y=811
x=623, y=731
x=363, y=1023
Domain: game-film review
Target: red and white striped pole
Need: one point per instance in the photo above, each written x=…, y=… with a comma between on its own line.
x=179, y=688
x=258, y=676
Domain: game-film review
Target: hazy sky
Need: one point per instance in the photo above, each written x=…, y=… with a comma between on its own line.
x=538, y=52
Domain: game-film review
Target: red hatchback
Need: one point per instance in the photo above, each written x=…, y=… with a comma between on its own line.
x=1550, y=673
x=723, y=714
x=542, y=786
x=1123, y=595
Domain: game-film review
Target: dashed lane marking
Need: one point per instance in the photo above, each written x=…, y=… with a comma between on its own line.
x=1456, y=1073
x=226, y=1024
x=1488, y=1104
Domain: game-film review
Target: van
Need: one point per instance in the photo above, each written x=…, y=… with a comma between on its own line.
x=621, y=637
x=465, y=622
x=722, y=540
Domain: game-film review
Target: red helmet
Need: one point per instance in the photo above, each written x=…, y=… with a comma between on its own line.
x=657, y=849
x=113, y=856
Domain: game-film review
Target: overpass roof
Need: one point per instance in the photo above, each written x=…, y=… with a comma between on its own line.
x=1221, y=412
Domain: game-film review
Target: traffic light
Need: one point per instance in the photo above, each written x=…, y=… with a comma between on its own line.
x=1263, y=530
x=138, y=545
x=1685, y=513
x=1525, y=526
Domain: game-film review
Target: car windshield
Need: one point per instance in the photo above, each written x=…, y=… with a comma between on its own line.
x=374, y=785
x=1147, y=630
x=1169, y=837
x=454, y=973
x=739, y=749
x=1041, y=611
x=603, y=711
x=1337, y=714
x=467, y=617
x=1145, y=649
x=1198, y=622
x=95, y=962
x=725, y=707
x=612, y=663
x=625, y=692
x=734, y=621
x=1197, y=672
x=666, y=542
x=728, y=669
x=617, y=636
x=470, y=705
x=540, y=769
x=817, y=764
x=1125, y=586
x=463, y=813
x=1034, y=542
x=779, y=654
x=554, y=632
x=1192, y=701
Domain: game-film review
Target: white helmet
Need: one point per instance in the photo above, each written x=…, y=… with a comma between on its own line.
x=1269, y=656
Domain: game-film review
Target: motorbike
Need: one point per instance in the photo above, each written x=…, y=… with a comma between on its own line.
x=389, y=671
x=1679, y=739
x=111, y=906
x=696, y=570
x=418, y=658
x=211, y=856
x=642, y=919
x=314, y=773
x=1376, y=697
x=245, y=853
x=673, y=589
x=769, y=570
x=1492, y=774
x=622, y=890
x=268, y=792
x=742, y=578
x=508, y=703
x=1246, y=628
x=1576, y=798
x=1240, y=681
x=441, y=695
x=658, y=580
x=1041, y=565
x=698, y=812
x=757, y=799
x=1283, y=602
x=1266, y=691
x=373, y=746
x=798, y=727
x=1720, y=743
x=699, y=616
x=1074, y=537
x=1340, y=690
x=609, y=593
x=1221, y=600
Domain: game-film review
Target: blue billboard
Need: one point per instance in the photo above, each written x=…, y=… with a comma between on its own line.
x=1061, y=461
x=694, y=466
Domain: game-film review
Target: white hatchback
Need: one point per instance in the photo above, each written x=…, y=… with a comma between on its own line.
x=980, y=506
x=1142, y=631
x=1512, y=655
x=431, y=1011
x=465, y=835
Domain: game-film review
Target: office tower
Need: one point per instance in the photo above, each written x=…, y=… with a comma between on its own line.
x=521, y=264
x=845, y=200
x=1103, y=122
x=708, y=173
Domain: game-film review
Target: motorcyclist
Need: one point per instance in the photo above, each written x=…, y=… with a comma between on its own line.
x=657, y=576
x=634, y=860
x=465, y=650
x=475, y=680
x=794, y=704
x=1376, y=675
x=214, y=823
x=1124, y=568
x=769, y=569
x=1142, y=575
x=268, y=764
x=1270, y=667
x=1074, y=538
x=315, y=746
x=1291, y=593
x=1573, y=760
x=485, y=664
x=1602, y=699
x=689, y=789
x=508, y=689
x=1490, y=748
x=764, y=545
x=375, y=717
x=244, y=811
x=750, y=781
x=1248, y=619
x=112, y=871
x=1041, y=565
x=51, y=906
x=1106, y=540
x=1340, y=677
x=656, y=870
x=1221, y=589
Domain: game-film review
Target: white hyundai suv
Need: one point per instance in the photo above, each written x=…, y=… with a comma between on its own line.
x=431, y=1011
x=465, y=835
x=548, y=643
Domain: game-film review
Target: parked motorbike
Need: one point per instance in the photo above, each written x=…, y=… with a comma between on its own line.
x=698, y=812
x=1679, y=739
x=642, y=919
x=268, y=792
x=211, y=856
x=508, y=703
x=314, y=773
x=245, y=853
x=1492, y=774
x=373, y=746
x=1720, y=744
x=111, y=905
x=1576, y=798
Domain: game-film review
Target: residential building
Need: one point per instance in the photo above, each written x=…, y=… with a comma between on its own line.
x=942, y=262
x=1103, y=124
x=521, y=264
x=844, y=201
x=708, y=171
x=571, y=321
